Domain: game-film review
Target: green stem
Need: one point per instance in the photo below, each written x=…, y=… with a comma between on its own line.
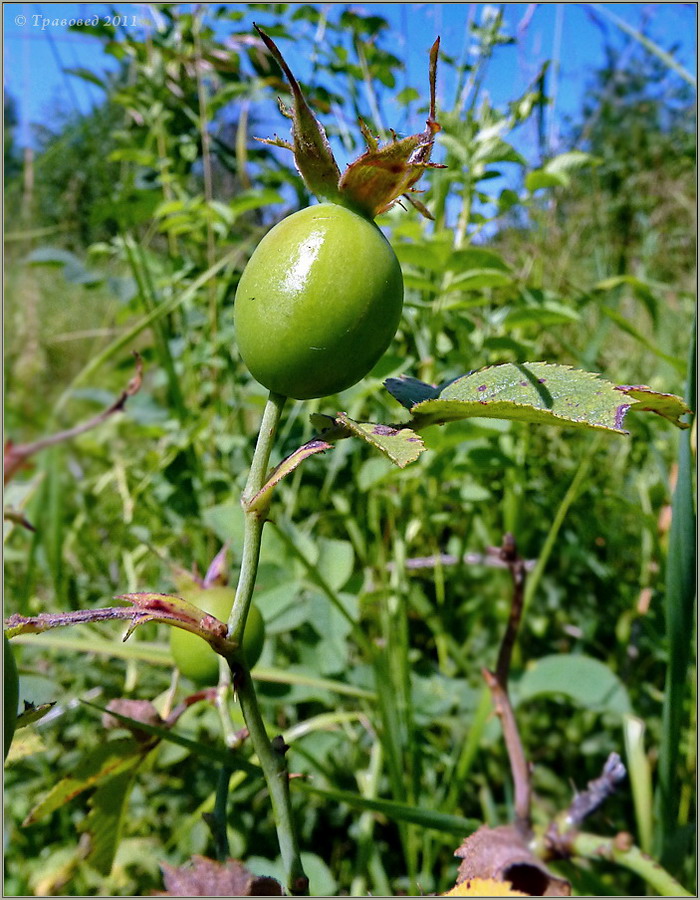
x=274, y=766
x=254, y=520
x=270, y=754
x=592, y=846
x=218, y=817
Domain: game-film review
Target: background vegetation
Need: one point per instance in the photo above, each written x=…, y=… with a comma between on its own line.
x=132, y=235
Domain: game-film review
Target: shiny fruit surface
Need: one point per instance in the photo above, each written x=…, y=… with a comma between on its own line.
x=193, y=656
x=318, y=303
x=253, y=636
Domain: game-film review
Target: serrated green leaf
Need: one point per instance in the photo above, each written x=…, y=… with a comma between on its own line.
x=527, y=392
x=105, y=820
x=535, y=393
x=104, y=761
x=584, y=680
x=668, y=406
x=401, y=445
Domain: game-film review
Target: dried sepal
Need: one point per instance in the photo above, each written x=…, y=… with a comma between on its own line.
x=276, y=142
x=145, y=607
x=169, y=609
x=421, y=207
x=375, y=181
x=312, y=153
x=371, y=141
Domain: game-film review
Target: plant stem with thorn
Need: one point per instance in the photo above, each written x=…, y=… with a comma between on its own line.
x=271, y=754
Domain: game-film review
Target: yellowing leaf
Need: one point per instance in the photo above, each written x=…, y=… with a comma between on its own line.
x=484, y=887
x=25, y=743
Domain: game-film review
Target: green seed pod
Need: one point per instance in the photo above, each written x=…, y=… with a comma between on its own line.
x=192, y=654
x=318, y=303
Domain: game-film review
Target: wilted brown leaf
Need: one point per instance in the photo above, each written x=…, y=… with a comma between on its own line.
x=205, y=877
x=502, y=854
x=140, y=710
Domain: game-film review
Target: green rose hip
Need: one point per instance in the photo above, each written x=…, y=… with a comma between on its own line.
x=192, y=654
x=318, y=303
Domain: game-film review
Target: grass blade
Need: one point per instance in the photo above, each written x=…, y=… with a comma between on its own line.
x=679, y=613
x=398, y=812
x=640, y=778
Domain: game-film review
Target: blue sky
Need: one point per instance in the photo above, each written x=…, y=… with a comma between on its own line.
x=36, y=54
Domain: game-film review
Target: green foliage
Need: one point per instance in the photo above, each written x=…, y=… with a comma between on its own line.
x=379, y=601
x=74, y=175
x=584, y=681
x=10, y=683
x=11, y=156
